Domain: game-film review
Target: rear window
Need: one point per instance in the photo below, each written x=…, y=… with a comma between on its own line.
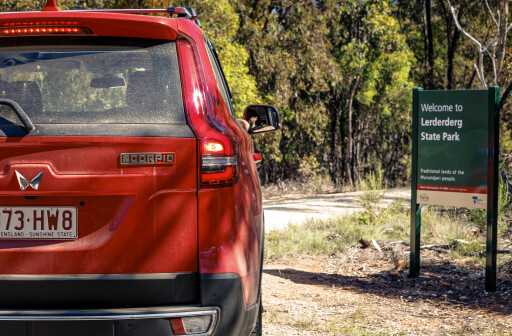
x=91, y=80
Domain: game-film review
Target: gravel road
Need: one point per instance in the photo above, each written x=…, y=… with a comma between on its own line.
x=296, y=209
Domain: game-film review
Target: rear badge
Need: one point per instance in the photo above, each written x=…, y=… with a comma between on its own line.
x=25, y=183
x=147, y=158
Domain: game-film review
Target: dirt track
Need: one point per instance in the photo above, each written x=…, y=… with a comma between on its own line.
x=280, y=211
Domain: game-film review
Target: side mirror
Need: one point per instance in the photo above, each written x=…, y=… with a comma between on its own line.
x=262, y=118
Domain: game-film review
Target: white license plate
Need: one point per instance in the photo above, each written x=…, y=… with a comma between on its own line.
x=38, y=223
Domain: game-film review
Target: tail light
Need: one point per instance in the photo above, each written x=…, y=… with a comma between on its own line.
x=192, y=325
x=219, y=164
x=217, y=167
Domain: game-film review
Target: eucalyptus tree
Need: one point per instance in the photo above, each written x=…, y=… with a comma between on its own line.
x=220, y=23
x=493, y=59
x=373, y=89
x=290, y=57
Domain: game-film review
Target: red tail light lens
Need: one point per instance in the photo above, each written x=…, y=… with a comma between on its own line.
x=177, y=326
x=193, y=325
x=219, y=164
x=217, y=168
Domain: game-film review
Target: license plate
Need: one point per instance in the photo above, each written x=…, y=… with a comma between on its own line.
x=38, y=223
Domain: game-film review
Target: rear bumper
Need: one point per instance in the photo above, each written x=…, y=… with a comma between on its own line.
x=81, y=291
x=62, y=315
x=225, y=291
x=99, y=322
x=221, y=298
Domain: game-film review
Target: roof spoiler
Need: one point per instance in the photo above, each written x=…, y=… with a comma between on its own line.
x=180, y=12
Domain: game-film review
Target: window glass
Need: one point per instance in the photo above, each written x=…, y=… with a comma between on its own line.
x=91, y=80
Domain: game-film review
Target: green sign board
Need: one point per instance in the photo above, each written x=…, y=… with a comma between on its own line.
x=452, y=142
x=455, y=161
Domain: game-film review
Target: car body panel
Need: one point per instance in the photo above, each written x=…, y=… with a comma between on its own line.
x=230, y=219
x=122, y=210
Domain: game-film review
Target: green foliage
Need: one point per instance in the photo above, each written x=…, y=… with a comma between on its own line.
x=479, y=216
x=31, y=5
x=374, y=88
x=372, y=192
x=21, y=5
x=321, y=62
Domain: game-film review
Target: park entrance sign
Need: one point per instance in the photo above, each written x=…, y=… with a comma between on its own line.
x=455, y=160
x=452, y=148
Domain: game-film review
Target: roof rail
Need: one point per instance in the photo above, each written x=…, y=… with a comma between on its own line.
x=180, y=12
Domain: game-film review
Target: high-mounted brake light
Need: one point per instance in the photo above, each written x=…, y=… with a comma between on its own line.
x=43, y=31
x=219, y=164
x=42, y=28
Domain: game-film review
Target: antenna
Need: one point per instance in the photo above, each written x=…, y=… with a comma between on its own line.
x=51, y=5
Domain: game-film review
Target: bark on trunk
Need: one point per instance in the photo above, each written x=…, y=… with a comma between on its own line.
x=429, y=43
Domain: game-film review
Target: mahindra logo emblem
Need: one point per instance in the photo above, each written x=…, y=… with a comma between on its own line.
x=34, y=183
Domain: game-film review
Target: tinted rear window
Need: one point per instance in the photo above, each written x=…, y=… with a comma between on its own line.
x=91, y=80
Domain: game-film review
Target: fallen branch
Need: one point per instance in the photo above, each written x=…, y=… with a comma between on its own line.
x=398, y=243
x=499, y=251
x=377, y=247
x=435, y=246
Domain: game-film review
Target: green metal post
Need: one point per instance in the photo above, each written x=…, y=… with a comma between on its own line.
x=492, y=190
x=414, y=269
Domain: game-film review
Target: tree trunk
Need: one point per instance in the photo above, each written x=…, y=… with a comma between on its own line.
x=452, y=37
x=429, y=43
x=336, y=139
x=349, y=169
x=348, y=150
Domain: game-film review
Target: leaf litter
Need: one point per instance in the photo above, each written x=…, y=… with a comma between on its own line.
x=366, y=292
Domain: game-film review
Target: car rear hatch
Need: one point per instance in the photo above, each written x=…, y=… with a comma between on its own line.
x=98, y=204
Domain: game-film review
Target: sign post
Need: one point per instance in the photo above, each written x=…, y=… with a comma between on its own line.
x=455, y=160
x=492, y=201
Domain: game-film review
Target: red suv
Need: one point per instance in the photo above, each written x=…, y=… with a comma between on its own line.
x=129, y=198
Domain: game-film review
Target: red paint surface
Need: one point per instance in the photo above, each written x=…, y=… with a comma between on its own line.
x=230, y=219
x=133, y=219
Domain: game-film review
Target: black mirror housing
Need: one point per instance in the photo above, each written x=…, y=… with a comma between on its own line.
x=265, y=118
